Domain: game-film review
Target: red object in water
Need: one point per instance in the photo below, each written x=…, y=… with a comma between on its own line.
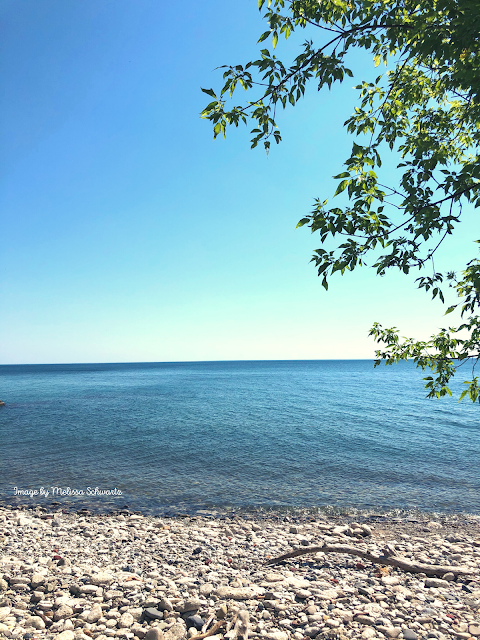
x=359, y=565
x=57, y=557
x=229, y=560
x=334, y=580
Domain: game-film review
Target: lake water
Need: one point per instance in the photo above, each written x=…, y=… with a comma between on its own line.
x=277, y=434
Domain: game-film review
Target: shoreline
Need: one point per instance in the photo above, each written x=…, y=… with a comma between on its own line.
x=78, y=576
x=99, y=505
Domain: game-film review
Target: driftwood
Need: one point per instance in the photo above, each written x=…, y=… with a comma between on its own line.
x=210, y=632
x=392, y=561
x=207, y=623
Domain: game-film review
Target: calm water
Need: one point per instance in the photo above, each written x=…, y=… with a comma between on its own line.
x=239, y=434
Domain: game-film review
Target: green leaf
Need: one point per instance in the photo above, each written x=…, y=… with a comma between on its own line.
x=209, y=92
x=341, y=187
x=274, y=39
x=302, y=222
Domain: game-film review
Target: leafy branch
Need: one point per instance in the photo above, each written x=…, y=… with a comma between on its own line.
x=424, y=109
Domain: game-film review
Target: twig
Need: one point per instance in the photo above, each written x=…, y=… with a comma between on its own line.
x=210, y=632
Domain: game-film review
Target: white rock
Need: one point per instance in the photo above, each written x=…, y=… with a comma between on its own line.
x=101, y=579
x=126, y=620
x=64, y=611
x=238, y=593
x=35, y=621
x=94, y=614
x=4, y=612
x=206, y=589
x=176, y=632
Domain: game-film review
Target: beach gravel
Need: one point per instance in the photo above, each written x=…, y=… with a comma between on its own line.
x=75, y=576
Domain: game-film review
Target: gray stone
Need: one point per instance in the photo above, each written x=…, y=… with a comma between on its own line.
x=36, y=622
x=390, y=632
x=206, y=589
x=237, y=593
x=165, y=604
x=449, y=577
x=312, y=630
x=153, y=614
x=154, y=634
x=195, y=621
x=364, y=619
x=276, y=635
x=137, y=613
x=37, y=579
x=89, y=589
x=408, y=634
x=64, y=611
x=192, y=604
x=95, y=613
x=126, y=620
x=65, y=635
x=176, y=632
x=101, y=579
x=435, y=582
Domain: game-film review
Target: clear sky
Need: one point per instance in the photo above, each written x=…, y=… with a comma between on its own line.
x=129, y=235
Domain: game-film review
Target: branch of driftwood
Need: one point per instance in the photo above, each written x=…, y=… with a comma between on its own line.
x=212, y=631
x=392, y=561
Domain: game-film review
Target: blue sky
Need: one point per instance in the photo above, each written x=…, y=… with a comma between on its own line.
x=129, y=235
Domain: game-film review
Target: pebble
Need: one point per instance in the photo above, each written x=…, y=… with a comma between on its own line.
x=195, y=621
x=436, y=583
x=154, y=634
x=153, y=614
x=142, y=578
x=165, y=604
x=176, y=632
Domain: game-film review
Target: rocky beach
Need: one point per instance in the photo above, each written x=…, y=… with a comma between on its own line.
x=78, y=576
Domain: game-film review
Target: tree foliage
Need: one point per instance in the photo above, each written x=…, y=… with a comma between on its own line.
x=424, y=108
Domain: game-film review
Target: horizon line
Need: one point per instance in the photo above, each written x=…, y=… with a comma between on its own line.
x=42, y=364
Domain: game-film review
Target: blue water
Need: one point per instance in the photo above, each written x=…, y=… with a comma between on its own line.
x=206, y=435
